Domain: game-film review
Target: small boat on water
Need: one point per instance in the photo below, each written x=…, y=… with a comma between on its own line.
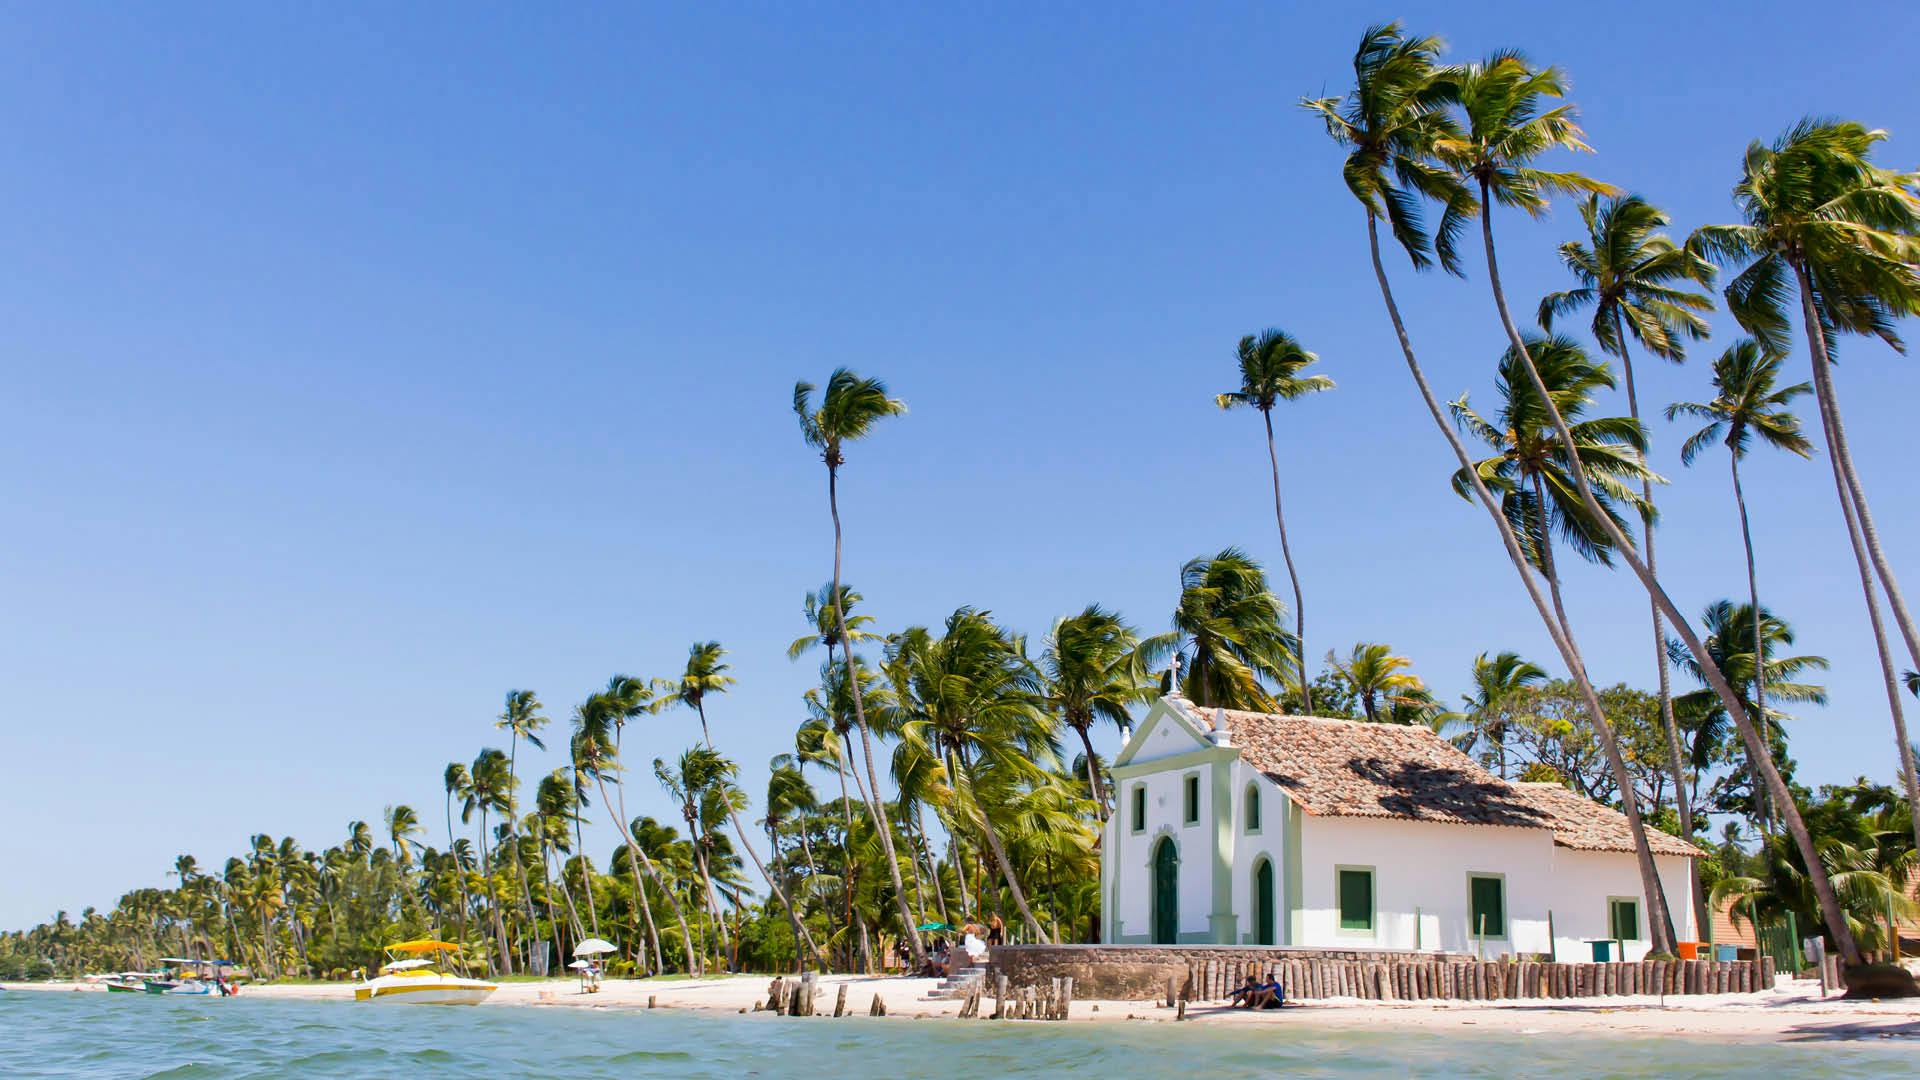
x=128, y=982
x=412, y=976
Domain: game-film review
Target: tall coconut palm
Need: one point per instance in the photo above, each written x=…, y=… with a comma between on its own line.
x=978, y=708
x=1496, y=680
x=1847, y=233
x=1508, y=127
x=848, y=409
x=554, y=811
x=489, y=790
x=1271, y=371
x=1092, y=670
x=1637, y=281
x=1531, y=468
x=521, y=719
x=580, y=803
x=402, y=825
x=705, y=674
x=825, y=618
x=790, y=799
x=1379, y=678
x=687, y=781
x=598, y=725
x=1537, y=479
x=456, y=781
x=1227, y=630
x=1750, y=404
x=1392, y=124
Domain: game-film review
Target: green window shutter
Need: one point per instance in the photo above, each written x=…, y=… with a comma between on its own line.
x=1139, y=807
x=1356, y=899
x=1488, y=911
x=1193, y=800
x=1624, y=919
x=1253, y=809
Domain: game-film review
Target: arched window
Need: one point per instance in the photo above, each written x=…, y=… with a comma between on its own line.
x=1252, y=813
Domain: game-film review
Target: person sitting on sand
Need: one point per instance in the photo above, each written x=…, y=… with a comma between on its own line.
x=1258, y=995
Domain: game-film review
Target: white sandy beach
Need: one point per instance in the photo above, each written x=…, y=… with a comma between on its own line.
x=1792, y=1011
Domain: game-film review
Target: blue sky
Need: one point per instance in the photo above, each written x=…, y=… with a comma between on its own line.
x=360, y=366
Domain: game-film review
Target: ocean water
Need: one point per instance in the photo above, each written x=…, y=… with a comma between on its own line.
x=116, y=1035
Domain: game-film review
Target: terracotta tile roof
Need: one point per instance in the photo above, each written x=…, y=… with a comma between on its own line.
x=1585, y=825
x=1350, y=768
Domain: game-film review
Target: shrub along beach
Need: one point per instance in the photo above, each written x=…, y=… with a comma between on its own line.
x=952, y=775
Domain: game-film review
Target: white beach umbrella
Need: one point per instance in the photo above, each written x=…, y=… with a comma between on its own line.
x=580, y=965
x=594, y=946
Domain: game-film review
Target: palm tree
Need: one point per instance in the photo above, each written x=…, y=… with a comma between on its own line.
x=704, y=675
x=598, y=725
x=848, y=409
x=401, y=823
x=1379, y=678
x=1227, y=630
x=457, y=780
x=687, y=783
x=522, y=719
x=1818, y=209
x=1394, y=123
x=1508, y=127
x=1496, y=680
x=1092, y=671
x=489, y=789
x=1271, y=367
x=554, y=810
x=825, y=617
x=1732, y=630
x=574, y=748
x=1749, y=404
x=1636, y=281
x=977, y=704
x=1537, y=479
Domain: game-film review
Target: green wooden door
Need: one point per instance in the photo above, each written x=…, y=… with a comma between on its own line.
x=1263, y=903
x=1166, y=893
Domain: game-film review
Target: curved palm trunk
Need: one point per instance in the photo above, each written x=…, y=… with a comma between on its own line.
x=1753, y=602
x=1669, y=726
x=1093, y=770
x=774, y=884
x=933, y=865
x=580, y=845
x=513, y=842
x=799, y=959
x=908, y=928
x=712, y=899
x=635, y=856
x=992, y=835
x=1887, y=670
x=499, y=927
x=1569, y=654
x=1756, y=746
x=1286, y=553
x=1864, y=538
x=566, y=895
x=851, y=877
x=459, y=873
x=1843, y=461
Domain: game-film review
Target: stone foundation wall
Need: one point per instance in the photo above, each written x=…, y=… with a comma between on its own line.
x=1207, y=973
x=1140, y=972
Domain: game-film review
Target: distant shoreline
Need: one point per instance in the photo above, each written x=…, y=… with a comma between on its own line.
x=1792, y=1012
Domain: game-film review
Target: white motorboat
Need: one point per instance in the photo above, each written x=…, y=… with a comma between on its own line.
x=413, y=977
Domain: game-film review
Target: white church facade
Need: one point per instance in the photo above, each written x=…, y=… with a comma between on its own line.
x=1239, y=828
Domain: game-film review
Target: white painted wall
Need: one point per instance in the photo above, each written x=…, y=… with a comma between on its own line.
x=1420, y=868
x=1247, y=848
x=1131, y=869
x=1424, y=866
x=1584, y=880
